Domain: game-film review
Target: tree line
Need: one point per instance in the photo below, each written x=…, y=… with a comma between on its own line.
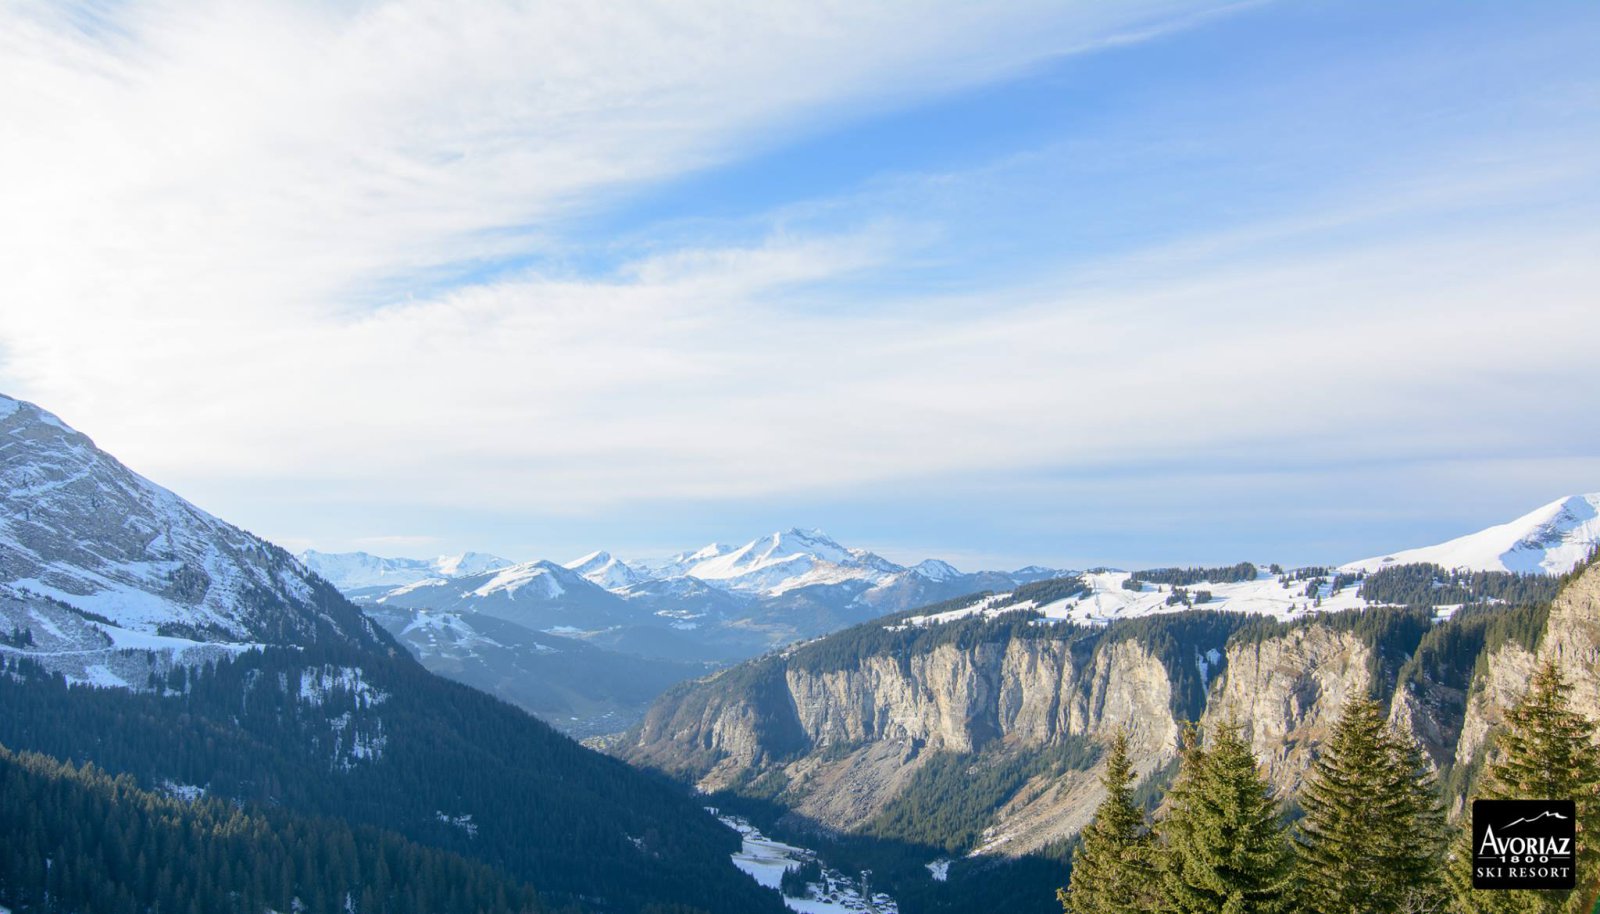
x=1373, y=837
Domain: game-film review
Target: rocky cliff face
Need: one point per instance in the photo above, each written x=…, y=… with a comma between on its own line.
x=839, y=728
x=1287, y=693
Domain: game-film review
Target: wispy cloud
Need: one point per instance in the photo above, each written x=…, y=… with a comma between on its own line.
x=326, y=248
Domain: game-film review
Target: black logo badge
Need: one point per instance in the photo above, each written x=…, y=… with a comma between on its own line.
x=1524, y=844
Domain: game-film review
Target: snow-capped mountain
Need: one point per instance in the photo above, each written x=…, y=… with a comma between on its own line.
x=1551, y=539
x=710, y=604
x=360, y=570
x=780, y=562
x=538, y=595
x=94, y=558
x=607, y=571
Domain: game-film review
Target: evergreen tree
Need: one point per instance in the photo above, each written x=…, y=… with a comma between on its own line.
x=1545, y=752
x=1225, y=849
x=1372, y=840
x=1113, y=869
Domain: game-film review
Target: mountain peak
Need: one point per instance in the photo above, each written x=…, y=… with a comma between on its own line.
x=1551, y=539
x=935, y=570
x=598, y=557
x=602, y=568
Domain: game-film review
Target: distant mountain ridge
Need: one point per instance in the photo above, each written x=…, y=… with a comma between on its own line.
x=357, y=570
x=1550, y=539
x=719, y=604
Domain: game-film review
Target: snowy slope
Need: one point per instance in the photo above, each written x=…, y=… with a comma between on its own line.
x=94, y=557
x=361, y=570
x=609, y=572
x=1107, y=599
x=1551, y=539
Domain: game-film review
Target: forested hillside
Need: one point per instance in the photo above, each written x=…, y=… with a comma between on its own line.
x=77, y=839
x=384, y=744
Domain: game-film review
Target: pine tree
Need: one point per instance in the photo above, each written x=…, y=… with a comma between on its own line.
x=1225, y=849
x=1545, y=752
x=1372, y=840
x=1113, y=869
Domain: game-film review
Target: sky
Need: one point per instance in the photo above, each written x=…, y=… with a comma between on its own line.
x=1069, y=283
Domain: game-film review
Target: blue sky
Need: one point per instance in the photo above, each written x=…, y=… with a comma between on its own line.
x=1072, y=284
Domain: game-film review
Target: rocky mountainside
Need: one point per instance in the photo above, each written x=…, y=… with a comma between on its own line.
x=97, y=561
x=849, y=731
x=146, y=636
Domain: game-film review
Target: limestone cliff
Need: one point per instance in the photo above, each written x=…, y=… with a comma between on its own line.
x=838, y=729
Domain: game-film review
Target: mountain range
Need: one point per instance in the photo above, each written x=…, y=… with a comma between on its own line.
x=584, y=643
x=937, y=727
x=146, y=636
x=587, y=644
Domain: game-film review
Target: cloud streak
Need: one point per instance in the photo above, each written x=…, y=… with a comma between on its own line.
x=330, y=246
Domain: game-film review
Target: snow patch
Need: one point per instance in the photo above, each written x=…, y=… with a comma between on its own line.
x=766, y=860
x=463, y=822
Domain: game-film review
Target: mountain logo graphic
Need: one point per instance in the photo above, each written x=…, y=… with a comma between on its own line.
x=1524, y=844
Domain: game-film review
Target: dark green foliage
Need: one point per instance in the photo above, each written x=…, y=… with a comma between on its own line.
x=1113, y=867
x=1231, y=574
x=1431, y=585
x=1223, y=845
x=1343, y=580
x=1452, y=654
x=1545, y=751
x=17, y=637
x=576, y=825
x=1049, y=591
x=115, y=849
x=953, y=796
x=793, y=882
x=1454, y=650
x=1372, y=838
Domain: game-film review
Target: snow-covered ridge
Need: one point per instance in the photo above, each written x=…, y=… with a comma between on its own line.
x=1551, y=539
x=606, y=570
x=780, y=562
x=83, y=535
x=1107, y=597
